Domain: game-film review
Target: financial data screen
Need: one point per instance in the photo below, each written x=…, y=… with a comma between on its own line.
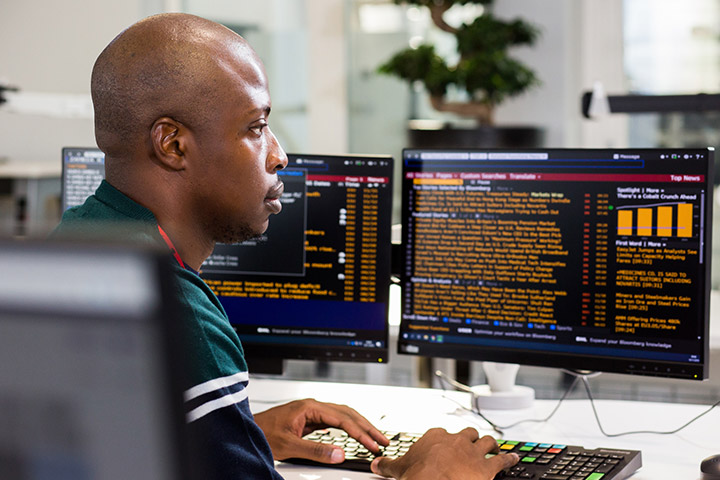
x=316, y=283
x=585, y=259
x=82, y=171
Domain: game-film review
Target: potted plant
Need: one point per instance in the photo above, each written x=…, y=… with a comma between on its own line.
x=485, y=74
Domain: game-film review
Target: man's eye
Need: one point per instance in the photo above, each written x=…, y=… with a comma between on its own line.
x=258, y=129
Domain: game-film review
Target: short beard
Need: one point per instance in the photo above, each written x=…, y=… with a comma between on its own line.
x=229, y=234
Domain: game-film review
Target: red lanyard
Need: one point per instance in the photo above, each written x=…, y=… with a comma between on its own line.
x=171, y=246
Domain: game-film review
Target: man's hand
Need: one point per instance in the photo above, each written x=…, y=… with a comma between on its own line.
x=286, y=424
x=439, y=454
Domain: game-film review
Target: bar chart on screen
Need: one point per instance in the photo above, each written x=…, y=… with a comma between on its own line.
x=660, y=220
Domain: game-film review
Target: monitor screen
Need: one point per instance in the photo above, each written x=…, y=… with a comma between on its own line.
x=82, y=171
x=88, y=387
x=585, y=259
x=316, y=284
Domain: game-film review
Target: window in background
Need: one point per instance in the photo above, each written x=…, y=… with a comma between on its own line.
x=673, y=48
x=277, y=30
x=379, y=105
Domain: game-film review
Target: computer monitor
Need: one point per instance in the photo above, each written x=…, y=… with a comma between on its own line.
x=316, y=284
x=89, y=364
x=82, y=171
x=586, y=259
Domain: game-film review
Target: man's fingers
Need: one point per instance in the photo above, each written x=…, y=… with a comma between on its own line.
x=487, y=443
x=383, y=466
x=460, y=455
x=503, y=461
x=361, y=429
x=319, y=452
x=348, y=419
x=364, y=437
x=469, y=433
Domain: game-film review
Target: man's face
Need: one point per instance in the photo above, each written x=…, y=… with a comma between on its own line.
x=235, y=182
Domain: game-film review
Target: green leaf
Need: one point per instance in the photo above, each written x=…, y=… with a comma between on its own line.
x=486, y=70
x=421, y=64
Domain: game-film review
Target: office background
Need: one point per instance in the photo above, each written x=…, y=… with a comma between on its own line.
x=321, y=57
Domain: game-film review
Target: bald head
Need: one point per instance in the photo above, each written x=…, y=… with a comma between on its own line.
x=169, y=65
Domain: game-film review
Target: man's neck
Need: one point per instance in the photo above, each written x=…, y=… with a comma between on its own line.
x=191, y=242
x=193, y=249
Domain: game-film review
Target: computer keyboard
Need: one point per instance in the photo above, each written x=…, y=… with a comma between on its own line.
x=541, y=461
x=550, y=461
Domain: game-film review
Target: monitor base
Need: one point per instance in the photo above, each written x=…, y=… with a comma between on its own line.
x=501, y=393
x=483, y=398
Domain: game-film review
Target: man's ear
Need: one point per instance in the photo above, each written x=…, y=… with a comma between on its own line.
x=170, y=142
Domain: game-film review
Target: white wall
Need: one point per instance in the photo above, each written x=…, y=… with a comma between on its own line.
x=553, y=105
x=581, y=41
x=49, y=46
x=328, y=71
x=602, y=59
x=279, y=31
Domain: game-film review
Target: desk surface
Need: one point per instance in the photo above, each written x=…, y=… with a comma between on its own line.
x=676, y=456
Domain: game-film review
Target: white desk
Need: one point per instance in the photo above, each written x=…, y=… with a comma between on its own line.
x=672, y=457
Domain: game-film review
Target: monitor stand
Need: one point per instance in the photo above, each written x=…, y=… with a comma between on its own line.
x=501, y=393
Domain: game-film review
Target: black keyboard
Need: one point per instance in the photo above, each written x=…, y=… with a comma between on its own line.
x=551, y=461
x=546, y=461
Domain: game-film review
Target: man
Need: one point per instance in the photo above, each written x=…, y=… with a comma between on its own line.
x=181, y=112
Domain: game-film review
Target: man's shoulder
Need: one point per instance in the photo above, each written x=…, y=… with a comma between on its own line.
x=209, y=332
x=92, y=211
x=197, y=295
x=100, y=219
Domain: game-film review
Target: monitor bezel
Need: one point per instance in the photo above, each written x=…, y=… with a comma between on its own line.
x=264, y=355
x=172, y=360
x=575, y=362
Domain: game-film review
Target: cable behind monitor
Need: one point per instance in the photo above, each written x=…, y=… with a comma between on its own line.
x=578, y=376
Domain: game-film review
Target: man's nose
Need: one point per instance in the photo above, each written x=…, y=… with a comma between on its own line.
x=277, y=159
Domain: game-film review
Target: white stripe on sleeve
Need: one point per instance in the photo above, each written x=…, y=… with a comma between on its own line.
x=215, y=384
x=216, y=404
